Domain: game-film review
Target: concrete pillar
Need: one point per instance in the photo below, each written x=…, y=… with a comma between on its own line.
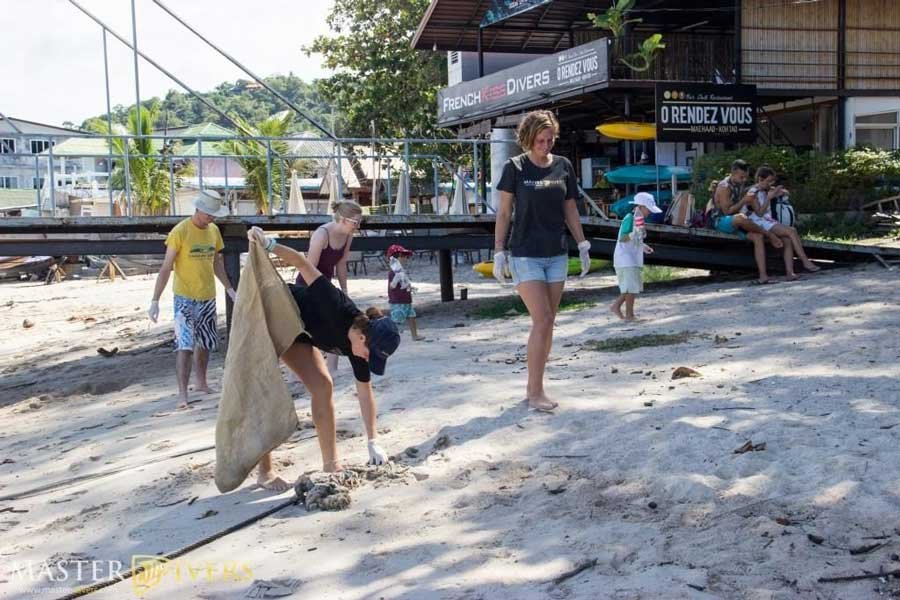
x=500, y=153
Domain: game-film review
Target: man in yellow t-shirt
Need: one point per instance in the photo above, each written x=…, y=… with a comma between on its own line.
x=193, y=250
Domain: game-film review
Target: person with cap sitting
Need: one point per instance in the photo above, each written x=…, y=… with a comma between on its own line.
x=628, y=257
x=333, y=324
x=400, y=290
x=193, y=251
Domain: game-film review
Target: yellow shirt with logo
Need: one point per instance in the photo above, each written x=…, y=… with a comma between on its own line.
x=196, y=248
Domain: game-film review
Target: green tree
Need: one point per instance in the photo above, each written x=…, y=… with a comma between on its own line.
x=378, y=77
x=149, y=177
x=253, y=157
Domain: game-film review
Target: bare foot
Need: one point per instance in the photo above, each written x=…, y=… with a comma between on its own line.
x=630, y=318
x=206, y=389
x=333, y=466
x=775, y=241
x=418, y=338
x=811, y=267
x=542, y=403
x=268, y=481
x=792, y=277
x=616, y=309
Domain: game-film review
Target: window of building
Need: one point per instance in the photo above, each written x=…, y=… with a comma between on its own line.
x=7, y=146
x=454, y=57
x=879, y=131
x=37, y=182
x=9, y=182
x=38, y=146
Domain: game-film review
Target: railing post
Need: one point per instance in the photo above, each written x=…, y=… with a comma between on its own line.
x=171, y=186
x=437, y=187
x=388, y=199
x=475, y=178
x=109, y=127
x=200, y=161
x=269, y=172
x=127, y=166
x=37, y=177
x=52, y=181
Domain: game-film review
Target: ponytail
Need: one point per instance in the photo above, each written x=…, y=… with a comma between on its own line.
x=362, y=320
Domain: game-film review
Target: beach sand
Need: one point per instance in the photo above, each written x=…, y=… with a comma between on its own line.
x=635, y=475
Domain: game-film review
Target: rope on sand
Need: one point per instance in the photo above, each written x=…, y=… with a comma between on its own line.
x=180, y=552
x=49, y=487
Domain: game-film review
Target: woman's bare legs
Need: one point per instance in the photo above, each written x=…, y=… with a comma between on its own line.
x=786, y=232
x=542, y=301
x=309, y=366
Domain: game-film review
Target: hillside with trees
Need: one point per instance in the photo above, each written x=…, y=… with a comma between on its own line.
x=245, y=99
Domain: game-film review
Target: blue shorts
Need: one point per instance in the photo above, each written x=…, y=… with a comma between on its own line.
x=195, y=324
x=401, y=312
x=552, y=269
x=725, y=225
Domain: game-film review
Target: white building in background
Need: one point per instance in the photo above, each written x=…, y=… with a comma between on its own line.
x=23, y=158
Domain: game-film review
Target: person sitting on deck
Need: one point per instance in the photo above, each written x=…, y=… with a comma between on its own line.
x=759, y=198
x=727, y=216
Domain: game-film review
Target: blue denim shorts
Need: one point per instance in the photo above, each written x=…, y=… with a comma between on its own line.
x=552, y=269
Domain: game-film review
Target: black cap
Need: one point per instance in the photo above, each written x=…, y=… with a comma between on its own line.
x=384, y=338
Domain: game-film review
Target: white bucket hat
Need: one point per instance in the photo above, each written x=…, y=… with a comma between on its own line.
x=645, y=199
x=210, y=202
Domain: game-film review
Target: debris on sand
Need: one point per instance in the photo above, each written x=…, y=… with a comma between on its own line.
x=626, y=344
x=682, y=372
x=331, y=491
x=749, y=446
x=107, y=353
x=27, y=323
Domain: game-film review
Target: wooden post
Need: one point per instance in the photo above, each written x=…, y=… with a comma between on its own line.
x=738, y=74
x=233, y=236
x=446, y=271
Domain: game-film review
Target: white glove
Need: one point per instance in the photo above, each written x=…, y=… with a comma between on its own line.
x=584, y=254
x=231, y=294
x=377, y=456
x=255, y=234
x=153, y=311
x=501, y=266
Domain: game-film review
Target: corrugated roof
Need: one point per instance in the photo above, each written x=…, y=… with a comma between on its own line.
x=205, y=130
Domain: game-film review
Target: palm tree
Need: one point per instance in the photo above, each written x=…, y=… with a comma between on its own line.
x=149, y=177
x=253, y=157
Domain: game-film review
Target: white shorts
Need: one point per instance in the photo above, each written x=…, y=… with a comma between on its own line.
x=766, y=222
x=631, y=280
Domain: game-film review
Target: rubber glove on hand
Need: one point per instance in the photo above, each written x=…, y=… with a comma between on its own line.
x=377, y=456
x=255, y=234
x=153, y=311
x=584, y=254
x=501, y=266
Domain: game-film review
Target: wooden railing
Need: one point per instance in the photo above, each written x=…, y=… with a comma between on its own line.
x=686, y=57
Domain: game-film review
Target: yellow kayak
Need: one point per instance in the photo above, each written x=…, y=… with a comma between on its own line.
x=486, y=269
x=628, y=130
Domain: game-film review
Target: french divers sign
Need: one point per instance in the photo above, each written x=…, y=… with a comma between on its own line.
x=705, y=113
x=544, y=77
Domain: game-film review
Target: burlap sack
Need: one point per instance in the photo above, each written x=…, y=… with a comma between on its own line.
x=256, y=412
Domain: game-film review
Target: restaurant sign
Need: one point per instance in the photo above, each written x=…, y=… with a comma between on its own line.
x=544, y=77
x=699, y=112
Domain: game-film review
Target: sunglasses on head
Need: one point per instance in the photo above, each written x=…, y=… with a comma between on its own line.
x=356, y=222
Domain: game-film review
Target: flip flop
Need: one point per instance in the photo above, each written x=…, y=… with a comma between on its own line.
x=766, y=282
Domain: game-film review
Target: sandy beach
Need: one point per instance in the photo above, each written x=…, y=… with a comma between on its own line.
x=636, y=477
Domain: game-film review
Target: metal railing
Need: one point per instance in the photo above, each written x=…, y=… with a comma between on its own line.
x=411, y=153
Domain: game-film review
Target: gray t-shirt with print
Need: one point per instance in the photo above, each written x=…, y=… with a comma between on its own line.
x=539, y=193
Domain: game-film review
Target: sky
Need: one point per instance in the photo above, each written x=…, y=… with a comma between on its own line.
x=51, y=54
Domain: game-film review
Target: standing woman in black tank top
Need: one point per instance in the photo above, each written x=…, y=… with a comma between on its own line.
x=329, y=249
